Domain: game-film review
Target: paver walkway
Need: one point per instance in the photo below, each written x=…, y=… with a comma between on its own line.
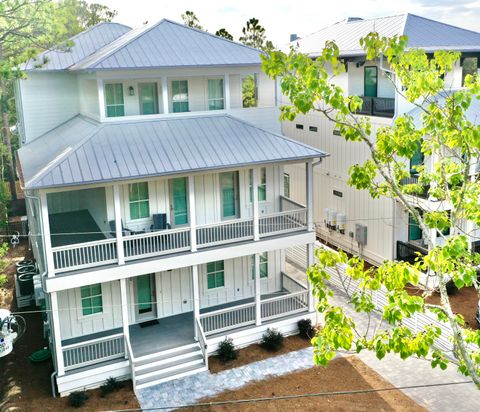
x=192, y=388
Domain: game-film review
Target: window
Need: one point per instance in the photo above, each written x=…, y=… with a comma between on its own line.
x=286, y=185
x=414, y=231
x=469, y=66
x=263, y=265
x=229, y=195
x=148, y=97
x=180, y=96
x=416, y=160
x=249, y=91
x=138, y=200
x=91, y=299
x=114, y=100
x=370, y=81
x=299, y=126
x=262, y=185
x=215, y=94
x=215, y=275
x=313, y=128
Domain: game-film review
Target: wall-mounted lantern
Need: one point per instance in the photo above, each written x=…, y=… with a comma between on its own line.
x=131, y=91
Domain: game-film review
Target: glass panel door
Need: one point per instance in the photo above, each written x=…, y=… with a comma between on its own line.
x=370, y=81
x=229, y=193
x=178, y=201
x=145, y=297
x=148, y=98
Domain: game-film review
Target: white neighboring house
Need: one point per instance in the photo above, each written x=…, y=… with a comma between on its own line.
x=348, y=218
x=156, y=201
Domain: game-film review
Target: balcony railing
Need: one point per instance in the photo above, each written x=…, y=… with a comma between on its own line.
x=409, y=252
x=165, y=242
x=377, y=106
x=413, y=180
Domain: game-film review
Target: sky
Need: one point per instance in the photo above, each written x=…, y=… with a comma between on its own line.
x=284, y=17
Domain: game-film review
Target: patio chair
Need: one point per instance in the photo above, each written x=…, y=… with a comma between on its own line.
x=125, y=230
x=160, y=222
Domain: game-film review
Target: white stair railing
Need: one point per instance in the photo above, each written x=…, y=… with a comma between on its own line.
x=131, y=359
x=202, y=340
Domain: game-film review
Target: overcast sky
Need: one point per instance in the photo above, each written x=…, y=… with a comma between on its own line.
x=282, y=17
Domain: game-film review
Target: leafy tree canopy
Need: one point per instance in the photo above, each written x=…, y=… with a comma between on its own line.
x=191, y=20
x=224, y=33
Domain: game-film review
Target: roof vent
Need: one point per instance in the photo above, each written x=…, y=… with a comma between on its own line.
x=352, y=19
x=293, y=37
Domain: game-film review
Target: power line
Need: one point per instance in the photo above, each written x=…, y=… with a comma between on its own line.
x=291, y=397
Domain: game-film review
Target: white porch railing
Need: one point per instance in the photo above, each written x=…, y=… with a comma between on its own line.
x=202, y=340
x=224, y=232
x=156, y=243
x=284, y=305
x=230, y=318
x=93, y=351
x=283, y=222
x=84, y=255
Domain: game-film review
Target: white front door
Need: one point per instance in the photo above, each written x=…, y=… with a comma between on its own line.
x=145, y=302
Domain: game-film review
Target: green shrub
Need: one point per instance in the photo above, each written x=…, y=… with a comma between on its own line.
x=305, y=328
x=111, y=385
x=77, y=399
x=272, y=340
x=226, y=350
x=3, y=280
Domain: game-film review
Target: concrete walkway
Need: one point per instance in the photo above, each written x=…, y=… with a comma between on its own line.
x=192, y=388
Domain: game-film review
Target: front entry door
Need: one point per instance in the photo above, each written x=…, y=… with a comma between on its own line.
x=178, y=202
x=145, y=301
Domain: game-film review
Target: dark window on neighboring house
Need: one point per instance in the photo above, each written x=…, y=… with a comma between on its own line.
x=370, y=85
x=313, y=128
x=469, y=66
x=299, y=126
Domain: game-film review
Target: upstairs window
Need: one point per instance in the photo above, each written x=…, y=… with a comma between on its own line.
x=262, y=185
x=417, y=160
x=249, y=91
x=370, y=85
x=138, y=200
x=263, y=265
x=91, y=297
x=215, y=274
x=180, y=96
x=286, y=185
x=114, y=100
x=215, y=94
x=469, y=66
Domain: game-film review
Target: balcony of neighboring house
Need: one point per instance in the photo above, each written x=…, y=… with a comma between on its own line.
x=368, y=81
x=129, y=222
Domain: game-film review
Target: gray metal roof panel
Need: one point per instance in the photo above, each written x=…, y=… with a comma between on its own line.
x=423, y=33
x=84, y=44
x=130, y=150
x=169, y=44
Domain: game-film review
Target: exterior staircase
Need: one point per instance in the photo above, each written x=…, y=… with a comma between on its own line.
x=167, y=365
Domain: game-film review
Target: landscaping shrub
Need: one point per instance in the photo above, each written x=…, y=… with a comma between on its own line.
x=110, y=385
x=226, y=350
x=272, y=340
x=305, y=328
x=3, y=280
x=77, y=399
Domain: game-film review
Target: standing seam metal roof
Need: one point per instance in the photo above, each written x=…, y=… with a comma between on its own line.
x=131, y=150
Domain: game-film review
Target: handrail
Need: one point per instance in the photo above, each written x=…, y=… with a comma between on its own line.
x=224, y=222
x=283, y=297
x=83, y=244
x=226, y=310
x=284, y=213
x=91, y=341
x=154, y=233
x=131, y=359
x=202, y=340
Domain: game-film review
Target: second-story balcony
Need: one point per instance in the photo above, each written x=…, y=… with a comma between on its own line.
x=377, y=106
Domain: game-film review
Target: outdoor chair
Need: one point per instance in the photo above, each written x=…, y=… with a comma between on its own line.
x=160, y=222
x=125, y=230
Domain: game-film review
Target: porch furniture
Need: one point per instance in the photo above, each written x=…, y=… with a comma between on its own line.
x=125, y=230
x=160, y=222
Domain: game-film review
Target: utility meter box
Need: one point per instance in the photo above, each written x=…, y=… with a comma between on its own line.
x=361, y=234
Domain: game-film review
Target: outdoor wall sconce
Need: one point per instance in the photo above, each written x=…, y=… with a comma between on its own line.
x=131, y=91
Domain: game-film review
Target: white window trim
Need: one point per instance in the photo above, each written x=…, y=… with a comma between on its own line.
x=112, y=105
x=170, y=94
x=219, y=287
x=207, y=108
x=127, y=197
x=80, y=315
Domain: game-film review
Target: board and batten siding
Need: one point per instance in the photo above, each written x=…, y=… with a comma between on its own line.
x=48, y=100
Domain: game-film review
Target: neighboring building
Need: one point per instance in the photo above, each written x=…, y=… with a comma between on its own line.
x=153, y=167
x=386, y=231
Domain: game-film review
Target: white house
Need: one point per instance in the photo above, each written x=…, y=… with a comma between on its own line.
x=348, y=218
x=153, y=167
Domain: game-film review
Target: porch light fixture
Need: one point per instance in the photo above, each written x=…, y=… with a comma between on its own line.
x=131, y=91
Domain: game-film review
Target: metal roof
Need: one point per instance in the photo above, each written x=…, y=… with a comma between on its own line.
x=169, y=44
x=422, y=33
x=130, y=150
x=84, y=44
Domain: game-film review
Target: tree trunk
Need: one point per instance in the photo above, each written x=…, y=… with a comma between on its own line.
x=7, y=138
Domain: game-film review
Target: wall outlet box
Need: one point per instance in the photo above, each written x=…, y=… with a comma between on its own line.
x=361, y=234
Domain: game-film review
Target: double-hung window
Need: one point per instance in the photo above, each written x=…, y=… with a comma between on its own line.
x=263, y=265
x=91, y=297
x=215, y=94
x=262, y=185
x=215, y=274
x=138, y=200
x=180, y=96
x=114, y=100
x=286, y=185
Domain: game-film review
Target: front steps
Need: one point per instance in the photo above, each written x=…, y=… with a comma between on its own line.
x=168, y=365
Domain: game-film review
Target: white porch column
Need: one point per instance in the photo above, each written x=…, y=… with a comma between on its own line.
x=165, y=95
x=101, y=99
x=192, y=218
x=196, y=298
x=310, y=261
x=118, y=224
x=50, y=264
x=256, y=228
x=226, y=86
x=309, y=195
x=57, y=337
x=124, y=300
x=258, y=292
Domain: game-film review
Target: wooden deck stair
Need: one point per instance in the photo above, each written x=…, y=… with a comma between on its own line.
x=168, y=365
